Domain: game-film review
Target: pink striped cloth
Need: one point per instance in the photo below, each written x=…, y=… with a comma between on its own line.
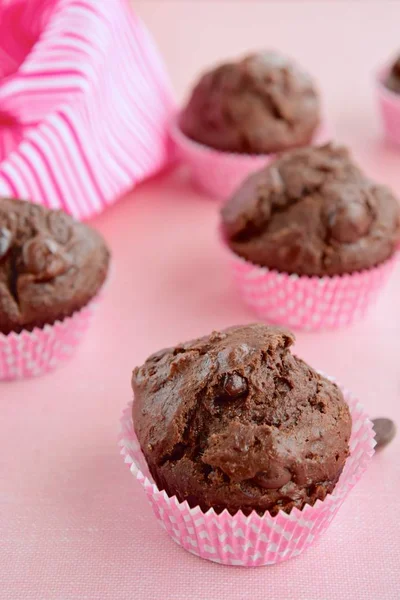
x=84, y=103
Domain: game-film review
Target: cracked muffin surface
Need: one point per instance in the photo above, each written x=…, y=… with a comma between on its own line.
x=312, y=212
x=260, y=104
x=235, y=421
x=50, y=265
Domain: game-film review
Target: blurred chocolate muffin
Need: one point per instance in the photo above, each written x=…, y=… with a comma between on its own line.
x=312, y=212
x=393, y=79
x=235, y=421
x=50, y=265
x=263, y=103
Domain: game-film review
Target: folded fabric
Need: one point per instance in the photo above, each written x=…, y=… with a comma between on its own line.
x=84, y=103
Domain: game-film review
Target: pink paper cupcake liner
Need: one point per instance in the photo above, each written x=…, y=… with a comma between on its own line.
x=33, y=353
x=389, y=106
x=218, y=173
x=252, y=540
x=308, y=303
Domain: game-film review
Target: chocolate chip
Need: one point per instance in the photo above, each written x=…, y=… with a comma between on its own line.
x=385, y=431
x=44, y=258
x=234, y=385
x=396, y=68
x=352, y=216
x=350, y=223
x=275, y=478
x=5, y=241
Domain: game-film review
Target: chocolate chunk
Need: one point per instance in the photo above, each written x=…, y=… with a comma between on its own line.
x=352, y=217
x=396, y=68
x=275, y=478
x=234, y=385
x=44, y=258
x=385, y=431
x=393, y=78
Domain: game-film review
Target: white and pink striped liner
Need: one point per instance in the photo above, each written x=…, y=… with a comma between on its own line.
x=84, y=103
x=252, y=540
x=33, y=353
x=308, y=303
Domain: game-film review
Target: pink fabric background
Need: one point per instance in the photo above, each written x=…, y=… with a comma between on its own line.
x=73, y=523
x=76, y=76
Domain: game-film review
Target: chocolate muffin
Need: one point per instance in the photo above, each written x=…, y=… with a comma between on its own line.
x=50, y=265
x=393, y=79
x=263, y=103
x=312, y=212
x=235, y=421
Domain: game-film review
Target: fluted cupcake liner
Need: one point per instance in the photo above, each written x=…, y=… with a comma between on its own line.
x=308, y=303
x=251, y=540
x=33, y=353
x=389, y=107
x=219, y=173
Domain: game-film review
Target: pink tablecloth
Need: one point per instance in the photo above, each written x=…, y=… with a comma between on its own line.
x=73, y=523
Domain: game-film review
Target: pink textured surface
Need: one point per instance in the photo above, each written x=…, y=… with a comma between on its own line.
x=250, y=541
x=220, y=173
x=308, y=303
x=34, y=353
x=76, y=76
x=74, y=524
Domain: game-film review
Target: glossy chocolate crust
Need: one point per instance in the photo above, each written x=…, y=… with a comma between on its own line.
x=50, y=265
x=312, y=212
x=235, y=421
x=263, y=103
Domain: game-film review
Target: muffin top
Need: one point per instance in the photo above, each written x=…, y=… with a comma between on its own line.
x=312, y=212
x=393, y=79
x=260, y=104
x=234, y=420
x=50, y=265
